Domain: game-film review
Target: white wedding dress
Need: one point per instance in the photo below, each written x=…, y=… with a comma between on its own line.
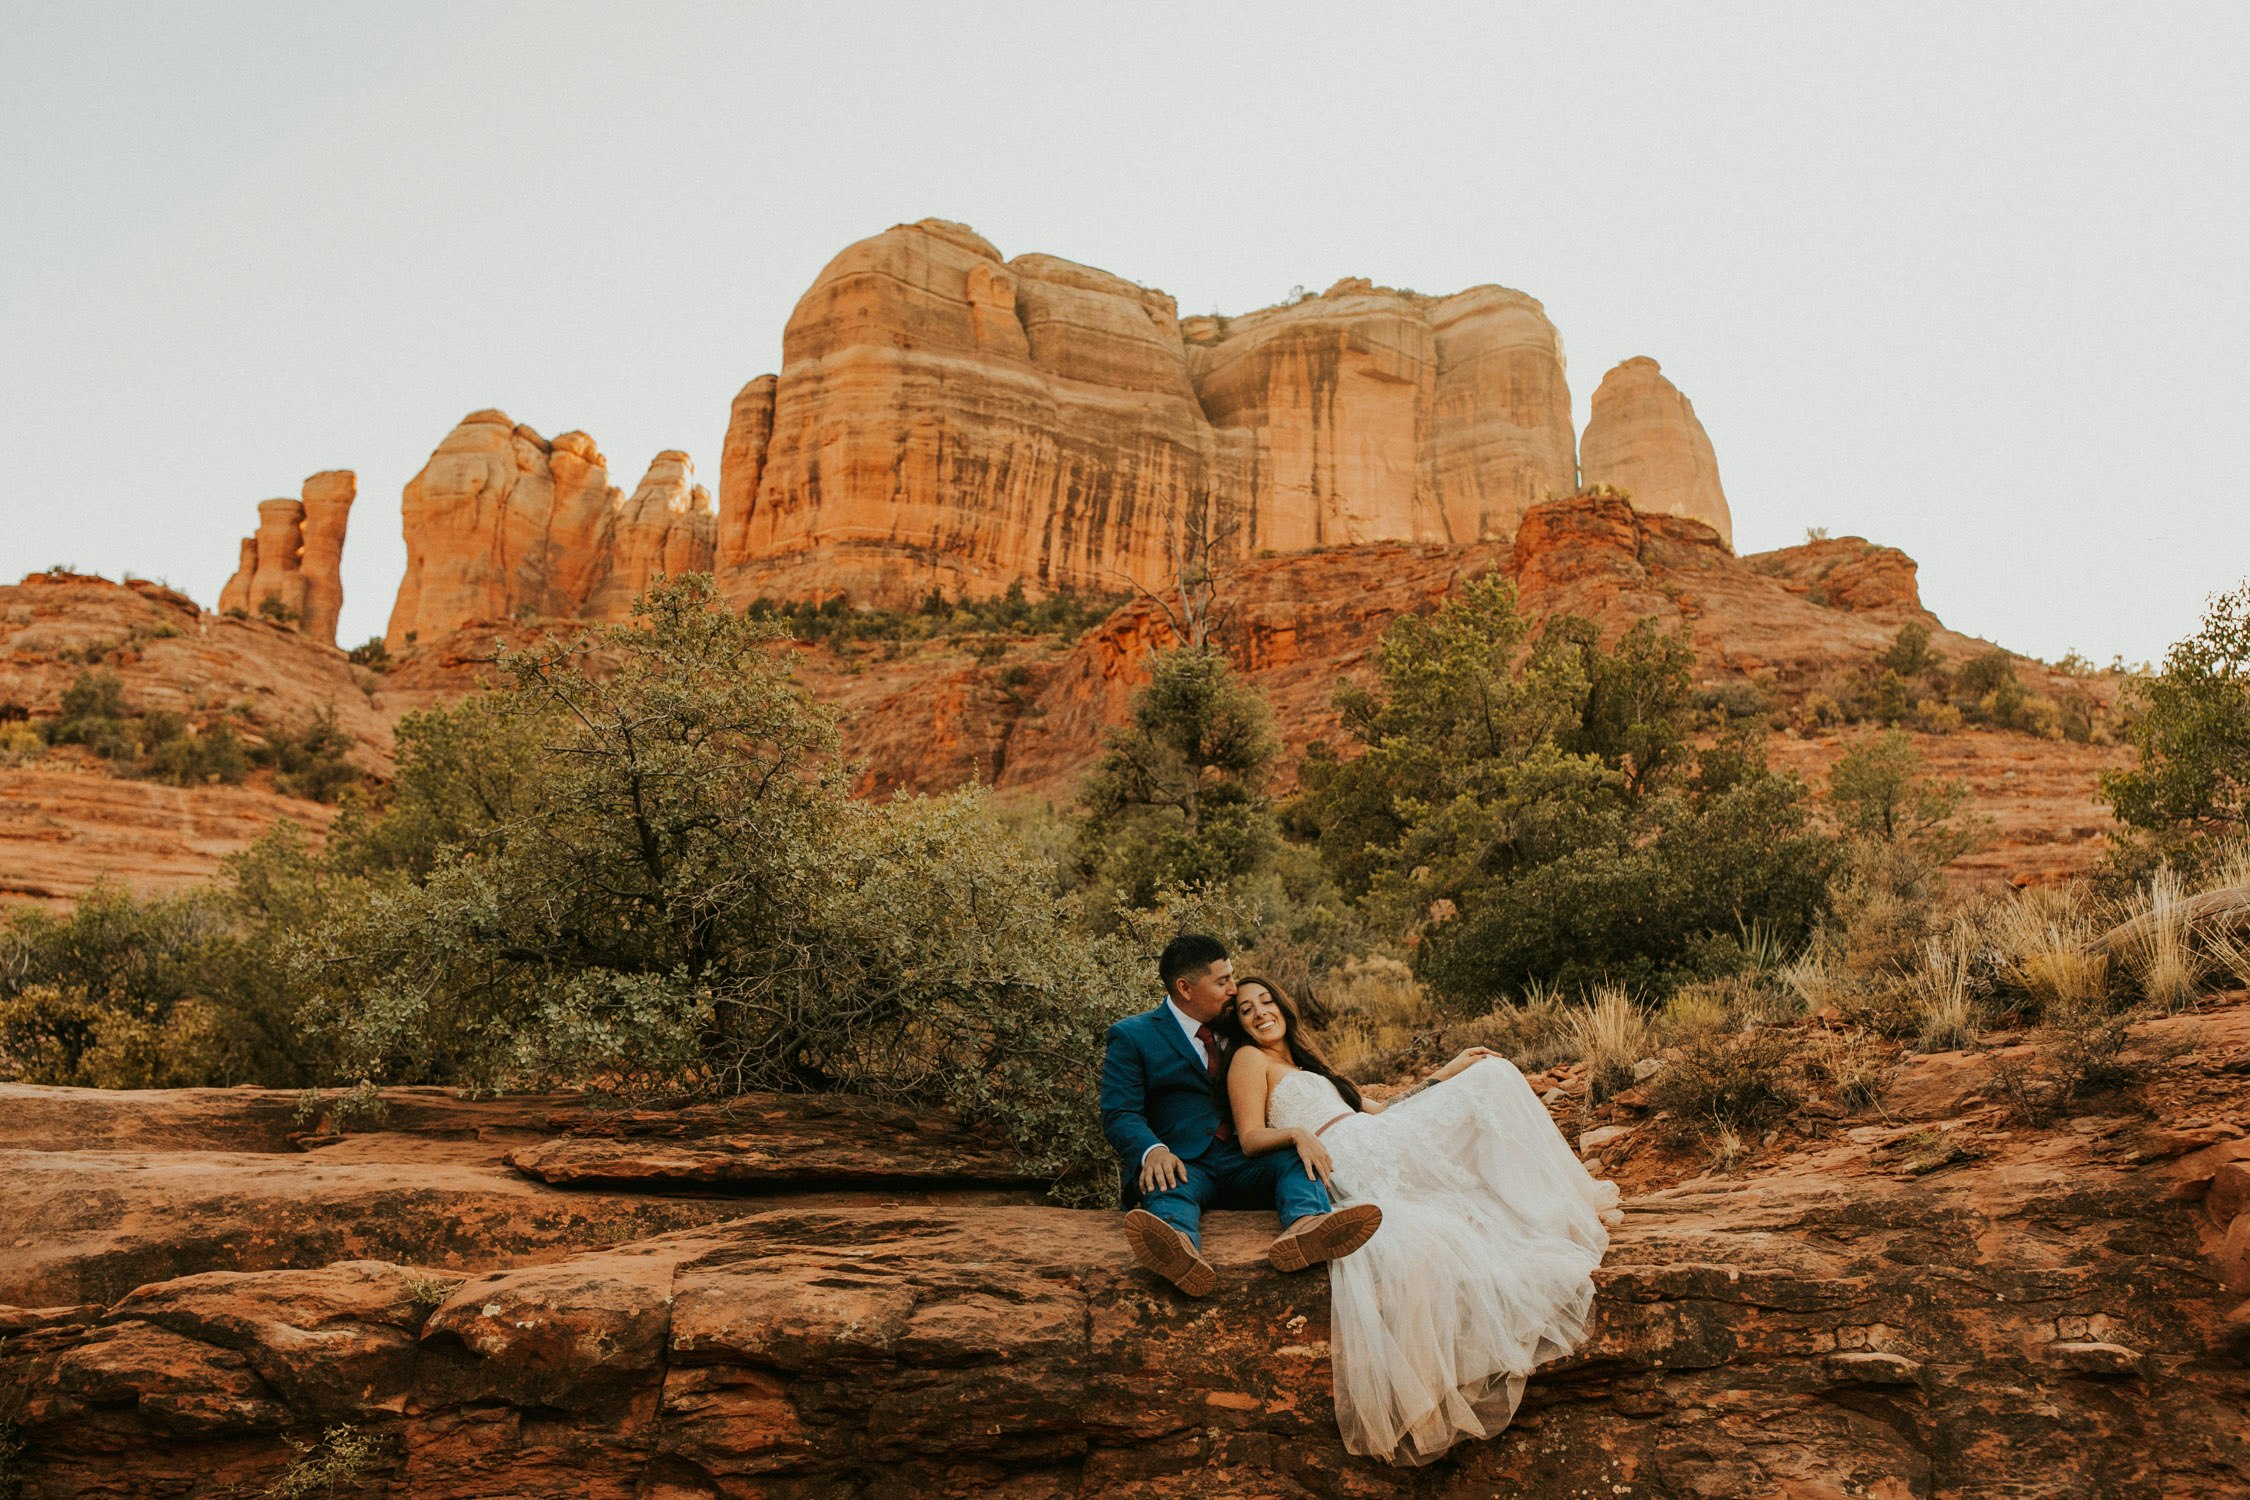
x=1483, y=1268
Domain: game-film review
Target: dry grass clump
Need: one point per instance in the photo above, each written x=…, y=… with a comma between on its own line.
x=2041, y=946
x=1611, y=1035
x=1855, y=1064
x=2163, y=955
x=1945, y=1016
x=1376, y=1007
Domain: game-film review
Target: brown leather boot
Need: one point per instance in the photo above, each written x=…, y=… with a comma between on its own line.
x=1170, y=1254
x=1329, y=1236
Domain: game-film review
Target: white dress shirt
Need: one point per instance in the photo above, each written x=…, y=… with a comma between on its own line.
x=1189, y=1025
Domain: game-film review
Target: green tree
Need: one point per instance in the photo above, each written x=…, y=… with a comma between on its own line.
x=1179, y=795
x=650, y=879
x=1527, y=807
x=1879, y=790
x=2190, y=723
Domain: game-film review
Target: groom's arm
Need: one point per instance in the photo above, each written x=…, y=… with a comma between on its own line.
x=1125, y=1098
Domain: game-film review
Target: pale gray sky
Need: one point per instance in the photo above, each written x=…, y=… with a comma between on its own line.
x=1966, y=279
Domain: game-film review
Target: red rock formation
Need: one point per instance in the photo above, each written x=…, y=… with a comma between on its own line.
x=1366, y=414
x=500, y=521
x=296, y=556
x=328, y=503
x=502, y=524
x=1642, y=437
x=1921, y=1300
x=944, y=418
x=664, y=528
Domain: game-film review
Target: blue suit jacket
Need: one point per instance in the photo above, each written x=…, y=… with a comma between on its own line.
x=1155, y=1087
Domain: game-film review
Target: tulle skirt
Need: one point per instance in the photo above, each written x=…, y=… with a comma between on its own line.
x=1482, y=1271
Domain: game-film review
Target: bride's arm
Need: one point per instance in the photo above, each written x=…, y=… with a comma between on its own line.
x=1249, y=1084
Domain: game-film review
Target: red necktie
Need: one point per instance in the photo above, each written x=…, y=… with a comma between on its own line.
x=1210, y=1043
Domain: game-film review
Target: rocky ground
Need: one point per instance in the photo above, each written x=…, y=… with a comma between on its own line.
x=808, y=1298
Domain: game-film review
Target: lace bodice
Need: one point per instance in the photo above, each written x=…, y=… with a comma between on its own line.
x=1300, y=1100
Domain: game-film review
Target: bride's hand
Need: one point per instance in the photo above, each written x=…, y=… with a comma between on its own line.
x=1459, y=1064
x=1318, y=1164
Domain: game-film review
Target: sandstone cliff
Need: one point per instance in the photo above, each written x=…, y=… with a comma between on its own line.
x=296, y=556
x=503, y=524
x=1922, y=1299
x=946, y=418
x=1642, y=437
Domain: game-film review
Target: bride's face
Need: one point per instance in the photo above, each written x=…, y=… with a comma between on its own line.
x=1254, y=1006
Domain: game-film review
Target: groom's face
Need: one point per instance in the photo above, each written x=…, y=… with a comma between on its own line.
x=1205, y=995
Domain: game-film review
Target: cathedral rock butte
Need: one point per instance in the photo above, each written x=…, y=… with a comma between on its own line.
x=948, y=419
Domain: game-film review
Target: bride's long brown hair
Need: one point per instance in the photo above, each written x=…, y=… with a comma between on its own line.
x=1303, y=1050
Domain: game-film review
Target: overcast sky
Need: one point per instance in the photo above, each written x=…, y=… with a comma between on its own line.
x=1969, y=280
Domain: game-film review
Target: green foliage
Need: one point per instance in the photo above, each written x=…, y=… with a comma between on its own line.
x=836, y=621
x=312, y=761
x=340, y=1464
x=272, y=608
x=192, y=758
x=2191, y=726
x=1910, y=654
x=1178, y=798
x=94, y=715
x=162, y=991
x=1529, y=811
x=1878, y=790
x=654, y=881
x=372, y=654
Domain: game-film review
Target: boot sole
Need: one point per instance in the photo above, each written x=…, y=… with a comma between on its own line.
x=1335, y=1236
x=1164, y=1250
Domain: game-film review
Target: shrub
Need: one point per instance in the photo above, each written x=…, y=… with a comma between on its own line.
x=340, y=1464
x=272, y=608
x=672, y=896
x=190, y=758
x=372, y=654
x=1727, y=1081
x=312, y=761
x=20, y=744
x=2190, y=724
x=1909, y=654
x=1528, y=810
x=1178, y=797
x=94, y=715
x=154, y=992
x=1877, y=790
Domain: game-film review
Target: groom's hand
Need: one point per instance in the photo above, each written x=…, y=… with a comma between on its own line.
x=1161, y=1171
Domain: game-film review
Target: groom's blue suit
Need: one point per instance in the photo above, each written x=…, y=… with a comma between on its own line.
x=1156, y=1089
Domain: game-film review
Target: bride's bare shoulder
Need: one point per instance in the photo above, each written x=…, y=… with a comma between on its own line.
x=1250, y=1062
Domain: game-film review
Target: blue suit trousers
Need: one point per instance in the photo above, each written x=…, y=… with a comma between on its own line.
x=1223, y=1177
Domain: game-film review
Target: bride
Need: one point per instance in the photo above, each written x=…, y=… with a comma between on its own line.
x=1491, y=1230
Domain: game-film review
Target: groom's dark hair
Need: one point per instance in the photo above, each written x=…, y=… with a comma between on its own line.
x=1189, y=953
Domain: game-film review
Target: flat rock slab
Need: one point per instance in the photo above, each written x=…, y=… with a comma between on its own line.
x=2042, y=1321
x=774, y=1141
x=38, y=1118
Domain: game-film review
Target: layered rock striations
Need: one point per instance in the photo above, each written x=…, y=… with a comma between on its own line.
x=1642, y=437
x=664, y=527
x=296, y=557
x=1366, y=414
x=502, y=522
x=947, y=418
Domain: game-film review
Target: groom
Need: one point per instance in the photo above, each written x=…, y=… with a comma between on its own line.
x=1162, y=1111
